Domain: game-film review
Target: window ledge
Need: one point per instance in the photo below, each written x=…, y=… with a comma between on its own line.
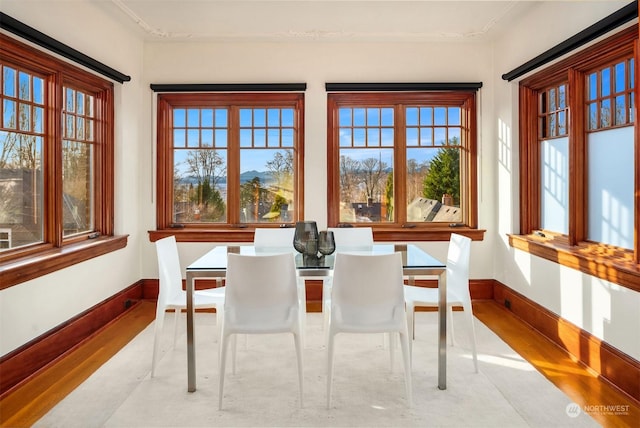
x=417, y=234
x=31, y=267
x=240, y=234
x=602, y=261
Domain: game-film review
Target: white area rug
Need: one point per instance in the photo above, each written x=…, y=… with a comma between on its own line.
x=508, y=391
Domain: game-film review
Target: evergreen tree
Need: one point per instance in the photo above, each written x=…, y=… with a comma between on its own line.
x=250, y=198
x=444, y=175
x=210, y=200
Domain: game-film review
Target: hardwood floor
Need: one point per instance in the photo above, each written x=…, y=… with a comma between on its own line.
x=41, y=393
x=579, y=383
x=36, y=397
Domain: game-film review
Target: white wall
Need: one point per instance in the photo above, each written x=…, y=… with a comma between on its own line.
x=316, y=63
x=26, y=310
x=608, y=311
x=32, y=308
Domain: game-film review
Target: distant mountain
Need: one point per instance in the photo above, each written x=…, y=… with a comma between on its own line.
x=264, y=176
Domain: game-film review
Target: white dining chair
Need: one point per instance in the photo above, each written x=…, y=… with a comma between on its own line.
x=367, y=296
x=347, y=239
x=273, y=237
x=352, y=237
x=261, y=298
x=457, y=291
x=172, y=296
x=270, y=239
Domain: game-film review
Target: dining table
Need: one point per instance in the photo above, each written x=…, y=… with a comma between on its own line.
x=415, y=260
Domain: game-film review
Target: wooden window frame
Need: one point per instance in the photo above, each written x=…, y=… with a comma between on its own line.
x=56, y=252
x=546, y=113
x=620, y=266
x=400, y=230
x=223, y=232
x=611, y=98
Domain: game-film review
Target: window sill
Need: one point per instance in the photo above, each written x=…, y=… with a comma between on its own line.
x=379, y=234
x=602, y=261
x=417, y=234
x=31, y=267
x=204, y=235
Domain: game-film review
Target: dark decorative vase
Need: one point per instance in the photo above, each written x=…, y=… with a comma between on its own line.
x=305, y=239
x=326, y=243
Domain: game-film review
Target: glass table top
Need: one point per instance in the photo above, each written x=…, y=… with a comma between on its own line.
x=413, y=257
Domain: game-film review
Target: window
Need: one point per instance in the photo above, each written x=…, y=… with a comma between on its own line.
x=56, y=160
x=403, y=161
x=78, y=172
x=22, y=141
x=579, y=159
x=609, y=163
x=554, y=146
x=228, y=162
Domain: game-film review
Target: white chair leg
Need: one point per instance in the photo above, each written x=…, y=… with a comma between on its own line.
x=234, y=352
x=302, y=301
x=472, y=335
x=330, y=345
x=452, y=339
x=326, y=291
x=406, y=358
x=219, y=321
x=175, y=325
x=159, y=323
x=410, y=328
x=326, y=319
x=224, y=342
x=392, y=347
x=325, y=322
x=297, y=337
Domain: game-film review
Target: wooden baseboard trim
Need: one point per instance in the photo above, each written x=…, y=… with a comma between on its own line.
x=609, y=363
x=22, y=363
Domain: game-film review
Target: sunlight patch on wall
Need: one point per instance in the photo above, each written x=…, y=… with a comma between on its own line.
x=600, y=307
x=571, y=296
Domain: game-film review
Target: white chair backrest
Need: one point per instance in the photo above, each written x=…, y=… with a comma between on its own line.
x=367, y=289
x=259, y=288
x=458, y=266
x=350, y=237
x=169, y=272
x=267, y=237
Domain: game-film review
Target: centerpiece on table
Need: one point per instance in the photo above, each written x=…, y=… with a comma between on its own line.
x=313, y=245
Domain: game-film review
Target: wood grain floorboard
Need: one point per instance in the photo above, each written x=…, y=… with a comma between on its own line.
x=36, y=397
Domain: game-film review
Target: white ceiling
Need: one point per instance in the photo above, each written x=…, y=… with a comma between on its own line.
x=310, y=20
